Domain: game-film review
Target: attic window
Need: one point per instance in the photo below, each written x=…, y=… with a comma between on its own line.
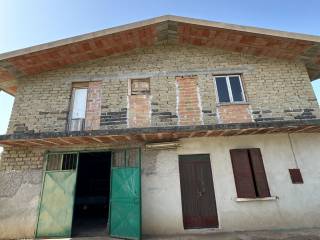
x=140, y=86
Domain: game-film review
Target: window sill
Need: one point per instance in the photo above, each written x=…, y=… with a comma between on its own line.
x=256, y=199
x=232, y=103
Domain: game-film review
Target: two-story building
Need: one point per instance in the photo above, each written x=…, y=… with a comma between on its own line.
x=166, y=126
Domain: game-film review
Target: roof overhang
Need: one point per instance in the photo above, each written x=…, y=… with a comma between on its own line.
x=180, y=30
x=156, y=134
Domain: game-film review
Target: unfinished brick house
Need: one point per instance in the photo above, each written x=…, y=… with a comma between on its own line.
x=166, y=126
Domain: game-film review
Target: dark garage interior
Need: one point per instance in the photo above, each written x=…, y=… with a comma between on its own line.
x=91, y=206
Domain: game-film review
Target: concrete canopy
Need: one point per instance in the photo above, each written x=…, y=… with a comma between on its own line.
x=173, y=29
x=156, y=134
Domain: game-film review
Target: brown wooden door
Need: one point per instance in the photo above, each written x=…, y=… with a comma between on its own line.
x=197, y=192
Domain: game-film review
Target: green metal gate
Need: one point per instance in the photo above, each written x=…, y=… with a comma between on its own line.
x=125, y=202
x=57, y=199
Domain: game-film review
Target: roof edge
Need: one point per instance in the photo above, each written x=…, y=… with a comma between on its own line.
x=82, y=37
x=143, y=23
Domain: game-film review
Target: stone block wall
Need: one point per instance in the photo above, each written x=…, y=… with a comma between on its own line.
x=163, y=101
x=22, y=159
x=275, y=89
x=114, y=103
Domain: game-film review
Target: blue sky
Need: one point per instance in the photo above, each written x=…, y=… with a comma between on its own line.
x=27, y=23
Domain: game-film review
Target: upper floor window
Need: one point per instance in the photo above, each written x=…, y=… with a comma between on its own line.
x=229, y=89
x=78, y=107
x=140, y=86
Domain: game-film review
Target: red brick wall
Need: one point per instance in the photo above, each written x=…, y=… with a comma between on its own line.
x=189, y=110
x=93, y=111
x=234, y=113
x=139, y=111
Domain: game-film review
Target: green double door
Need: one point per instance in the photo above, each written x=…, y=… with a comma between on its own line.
x=57, y=199
x=125, y=200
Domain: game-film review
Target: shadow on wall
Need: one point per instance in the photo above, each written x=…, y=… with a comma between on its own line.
x=316, y=89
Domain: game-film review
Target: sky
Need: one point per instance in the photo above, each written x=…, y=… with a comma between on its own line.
x=24, y=23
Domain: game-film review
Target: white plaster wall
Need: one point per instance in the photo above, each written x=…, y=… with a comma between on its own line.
x=298, y=204
x=161, y=201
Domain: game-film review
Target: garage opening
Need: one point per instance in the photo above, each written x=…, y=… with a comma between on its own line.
x=91, y=206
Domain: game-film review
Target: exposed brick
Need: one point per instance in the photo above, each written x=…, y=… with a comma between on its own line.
x=280, y=86
x=189, y=111
x=22, y=158
x=234, y=113
x=139, y=111
x=93, y=110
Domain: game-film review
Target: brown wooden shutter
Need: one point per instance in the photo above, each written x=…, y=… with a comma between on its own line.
x=242, y=173
x=259, y=173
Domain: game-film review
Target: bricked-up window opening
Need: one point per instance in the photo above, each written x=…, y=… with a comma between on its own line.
x=229, y=89
x=78, y=107
x=140, y=86
x=249, y=173
x=61, y=161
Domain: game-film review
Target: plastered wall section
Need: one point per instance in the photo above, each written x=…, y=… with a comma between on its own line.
x=297, y=206
x=19, y=198
x=20, y=186
x=275, y=89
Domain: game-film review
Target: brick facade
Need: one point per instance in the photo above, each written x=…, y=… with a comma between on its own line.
x=93, y=111
x=275, y=89
x=139, y=111
x=234, y=113
x=22, y=159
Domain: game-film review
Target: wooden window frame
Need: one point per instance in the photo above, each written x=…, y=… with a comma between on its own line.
x=229, y=89
x=131, y=93
x=77, y=85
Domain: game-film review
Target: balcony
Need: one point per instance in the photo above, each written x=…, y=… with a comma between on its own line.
x=155, y=134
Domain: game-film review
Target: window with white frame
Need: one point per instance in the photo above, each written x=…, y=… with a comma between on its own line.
x=229, y=89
